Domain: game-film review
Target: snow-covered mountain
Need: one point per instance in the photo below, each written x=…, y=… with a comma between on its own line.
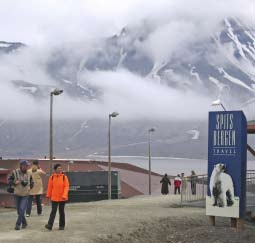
x=219, y=65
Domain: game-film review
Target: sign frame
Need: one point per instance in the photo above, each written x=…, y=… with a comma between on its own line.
x=227, y=164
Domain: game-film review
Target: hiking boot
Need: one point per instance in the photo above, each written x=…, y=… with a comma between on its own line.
x=24, y=226
x=17, y=227
x=61, y=228
x=48, y=227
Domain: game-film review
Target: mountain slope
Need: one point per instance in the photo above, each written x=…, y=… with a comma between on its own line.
x=219, y=65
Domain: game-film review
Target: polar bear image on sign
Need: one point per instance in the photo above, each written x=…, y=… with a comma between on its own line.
x=221, y=187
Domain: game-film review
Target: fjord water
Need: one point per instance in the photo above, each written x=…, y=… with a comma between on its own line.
x=169, y=165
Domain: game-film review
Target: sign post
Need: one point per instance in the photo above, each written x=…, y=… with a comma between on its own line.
x=227, y=161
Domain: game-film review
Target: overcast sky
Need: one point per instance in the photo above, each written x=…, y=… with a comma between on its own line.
x=44, y=23
x=37, y=22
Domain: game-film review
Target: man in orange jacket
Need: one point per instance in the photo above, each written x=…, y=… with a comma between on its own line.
x=58, y=187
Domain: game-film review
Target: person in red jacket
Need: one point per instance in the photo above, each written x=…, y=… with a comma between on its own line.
x=177, y=184
x=58, y=187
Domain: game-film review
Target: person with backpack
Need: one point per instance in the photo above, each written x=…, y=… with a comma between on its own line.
x=22, y=182
x=37, y=190
x=58, y=187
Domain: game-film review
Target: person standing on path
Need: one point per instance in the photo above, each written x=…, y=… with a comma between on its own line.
x=184, y=183
x=22, y=181
x=193, y=182
x=58, y=187
x=165, y=182
x=37, y=190
x=177, y=184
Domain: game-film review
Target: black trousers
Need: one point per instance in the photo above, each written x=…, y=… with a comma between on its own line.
x=176, y=189
x=38, y=204
x=193, y=188
x=60, y=206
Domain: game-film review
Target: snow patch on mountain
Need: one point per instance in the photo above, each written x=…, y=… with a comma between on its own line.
x=195, y=134
x=220, y=85
x=234, y=80
x=67, y=81
x=84, y=126
x=196, y=75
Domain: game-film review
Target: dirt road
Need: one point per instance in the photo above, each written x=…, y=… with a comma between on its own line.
x=138, y=220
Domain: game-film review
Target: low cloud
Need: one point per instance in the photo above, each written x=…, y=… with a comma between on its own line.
x=48, y=25
x=133, y=97
x=54, y=21
x=140, y=98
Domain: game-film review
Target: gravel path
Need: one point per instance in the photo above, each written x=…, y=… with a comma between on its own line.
x=137, y=220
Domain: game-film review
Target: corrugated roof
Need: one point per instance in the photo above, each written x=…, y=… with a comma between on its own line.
x=134, y=180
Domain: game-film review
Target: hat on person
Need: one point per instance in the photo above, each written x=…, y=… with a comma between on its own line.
x=24, y=162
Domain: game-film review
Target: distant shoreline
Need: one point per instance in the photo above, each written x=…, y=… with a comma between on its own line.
x=143, y=157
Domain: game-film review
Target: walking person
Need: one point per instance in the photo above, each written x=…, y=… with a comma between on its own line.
x=58, y=187
x=177, y=184
x=22, y=181
x=37, y=190
x=193, y=182
x=165, y=182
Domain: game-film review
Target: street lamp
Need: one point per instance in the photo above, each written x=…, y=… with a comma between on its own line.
x=218, y=102
x=149, y=145
x=114, y=114
x=54, y=92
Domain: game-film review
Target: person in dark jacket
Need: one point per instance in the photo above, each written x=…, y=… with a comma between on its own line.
x=165, y=182
x=22, y=181
x=193, y=182
x=58, y=187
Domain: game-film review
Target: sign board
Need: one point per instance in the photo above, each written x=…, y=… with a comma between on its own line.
x=227, y=160
x=92, y=185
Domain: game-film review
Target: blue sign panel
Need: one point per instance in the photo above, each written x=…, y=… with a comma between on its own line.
x=227, y=159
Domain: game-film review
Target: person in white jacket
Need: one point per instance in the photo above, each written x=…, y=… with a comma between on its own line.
x=37, y=190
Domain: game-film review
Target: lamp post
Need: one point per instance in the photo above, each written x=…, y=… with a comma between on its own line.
x=218, y=102
x=54, y=92
x=114, y=114
x=68, y=165
x=149, y=146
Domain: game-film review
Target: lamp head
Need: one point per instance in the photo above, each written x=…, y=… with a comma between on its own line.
x=114, y=114
x=216, y=102
x=151, y=129
x=56, y=91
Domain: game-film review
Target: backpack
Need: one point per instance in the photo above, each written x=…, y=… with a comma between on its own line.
x=64, y=176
